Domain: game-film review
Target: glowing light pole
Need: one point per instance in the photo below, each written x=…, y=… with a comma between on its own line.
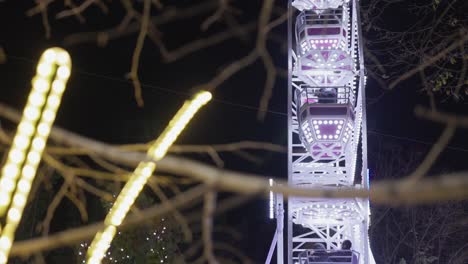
x=48, y=85
x=140, y=176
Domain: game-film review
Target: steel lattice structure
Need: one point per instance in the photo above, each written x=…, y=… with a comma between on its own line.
x=327, y=135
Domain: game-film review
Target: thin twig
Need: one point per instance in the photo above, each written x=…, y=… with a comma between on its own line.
x=45, y=22
x=53, y=206
x=69, y=173
x=429, y=61
x=216, y=158
x=80, y=205
x=133, y=74
x=108, y=166
x=202, y=43
x=231, y=69
x=78, y=16
x=441, y=117
x=222, y=7
x=464, y=69
x=75, y=11
x=207, y=222
x=169, y=15
x=264, y=28
x=40, y=5
x=433, y=154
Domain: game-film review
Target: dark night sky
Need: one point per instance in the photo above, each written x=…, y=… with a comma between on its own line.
x=99, y=101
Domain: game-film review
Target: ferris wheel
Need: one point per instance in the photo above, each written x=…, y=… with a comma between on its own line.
x=327, y=142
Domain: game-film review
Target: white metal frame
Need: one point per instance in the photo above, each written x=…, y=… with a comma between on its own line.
x=327, y=221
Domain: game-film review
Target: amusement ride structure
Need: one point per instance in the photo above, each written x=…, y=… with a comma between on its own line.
x=327, y=143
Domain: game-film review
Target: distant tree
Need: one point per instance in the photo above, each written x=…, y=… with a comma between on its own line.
x=433, y=234
x=426, y=39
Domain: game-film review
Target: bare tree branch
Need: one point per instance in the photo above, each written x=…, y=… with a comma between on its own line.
x=441, y=117
x=169, y=15
x=222, y=7
x=447, y=187
x=433, y=154
x=430, y=61
x=75, y=11
x=208, y=211
x=52, y=207
x=133, y=74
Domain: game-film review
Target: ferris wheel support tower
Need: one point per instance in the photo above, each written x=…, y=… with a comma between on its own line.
x=327, y=136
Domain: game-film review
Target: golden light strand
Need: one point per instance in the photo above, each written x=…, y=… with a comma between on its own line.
x=140, y=176
x=30, y=139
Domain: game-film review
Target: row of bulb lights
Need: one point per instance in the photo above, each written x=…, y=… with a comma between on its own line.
x=327, y=122
x=138, y=179
x=317, y=123
x=337, y=210
x=347, y=133
x=307, y=132
x=18, y=173
x=332, y=59
x=320, y=44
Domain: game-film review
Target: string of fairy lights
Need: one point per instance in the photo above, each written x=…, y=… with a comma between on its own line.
x=18, y=173
x=138, y=179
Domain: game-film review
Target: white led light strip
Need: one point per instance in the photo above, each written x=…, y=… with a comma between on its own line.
x=29, y=142
x=140, y=176
x=272, y=201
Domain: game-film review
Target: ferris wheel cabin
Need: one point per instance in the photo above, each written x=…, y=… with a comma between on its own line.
x=324, y=65
x=326, y=120
x=323, y=55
